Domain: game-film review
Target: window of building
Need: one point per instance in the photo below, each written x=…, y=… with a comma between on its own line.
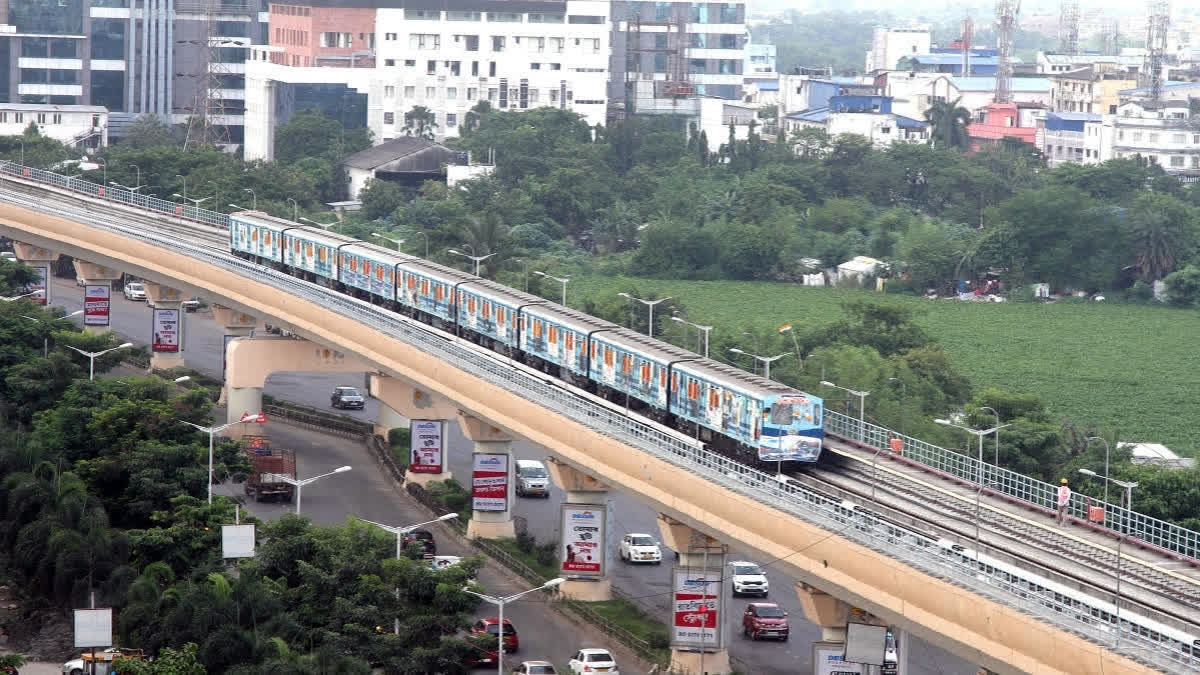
x=1153, y=138
x=389, y=118
x=535, y=66
x=556, y=44
x=422, y=15
x=585, y=18
x=555, y=66
x=56, y=118
x=389, y=92
x=1137, y=136
x=388, y=63
x=470, y=42
x=455, y=67
x=729, y=13
x=554, y=96
x=430, y=92
x=431, y=67
x=390, y=37
x=504, y=17
x=546, y=18
x=410, y=63
x=474, y=68
x=337, y=40
x=41, y=118
x=497, y=43
x=451, y=120
x=491, y=68
x=492, y=93
x=729, y=41
x=472, y=92
x=1195, y=162
x=1177, y=161
x=19, y=118
x=410, y=92
x=1179, y=138
x=424, y=41
x=451, y=93
x=458, y=15
x=533, y=97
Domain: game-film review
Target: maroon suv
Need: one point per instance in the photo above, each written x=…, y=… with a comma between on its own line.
x=764, y=620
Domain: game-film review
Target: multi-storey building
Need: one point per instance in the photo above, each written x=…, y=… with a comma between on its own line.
x=512, y=54
x=130, y=56
x=760, y=61
x=1092, y=89
x=1076, y=137
x=73, y=125
x=889, y=45
x=1160, y=132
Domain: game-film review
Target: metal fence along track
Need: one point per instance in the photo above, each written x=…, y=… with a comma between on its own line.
x=919, y=551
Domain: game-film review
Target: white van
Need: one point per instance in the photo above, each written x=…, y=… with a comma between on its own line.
x=532, y=478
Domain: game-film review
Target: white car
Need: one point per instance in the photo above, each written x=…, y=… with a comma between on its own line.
x=640, y=548
x=9, y=256
x=593, y=660
x=748, y=579
x=135, y=291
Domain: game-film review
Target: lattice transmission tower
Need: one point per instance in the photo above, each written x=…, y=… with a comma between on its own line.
x=1156, y=46
x=1068, y=27
x=1006, y=27
x=207, y=115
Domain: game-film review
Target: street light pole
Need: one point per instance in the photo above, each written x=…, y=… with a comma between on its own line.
x=474, y=258
x=211, y=431
x=295, y=209
x=138, y=169
x=997, y=415
x=299, y=484
x=766, y=360
x=253, y=198
x=978, y=471
x=46, y=337
x=92, y=357
x=501, y=602
x=561, y=280
x=1120, y=527
x=699, y=329
x=397, y=242
x=904, y=397
x=184, y=179
x=400, y=532
x=1105, y=440
x=648, y=303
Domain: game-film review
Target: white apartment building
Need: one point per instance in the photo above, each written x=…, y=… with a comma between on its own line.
x=1160, y=132
x=1081, y=138
x=516, y=55
x=889, y=45
x=449, y=60
x=73, y=125
x=760, y=61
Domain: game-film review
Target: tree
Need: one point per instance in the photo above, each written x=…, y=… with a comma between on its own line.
x=1163, y=230
x=420, y=122
x=311, y=133
x=182, y=661
x=933, y=250
x=948, y=124
x=1183, y=287
x=149, y=131
x=380, y=198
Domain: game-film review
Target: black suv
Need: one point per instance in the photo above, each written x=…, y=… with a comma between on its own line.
x=346, y=397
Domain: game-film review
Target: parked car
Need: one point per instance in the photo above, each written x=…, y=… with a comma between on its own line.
x=190, y=305
x=423, y=537
x=9, y=256
x=80, y=281
x=532, y=478
x=764, y=620
x=748, y=579
x=592, y=660
x=491, y=626
x=535, y=668
x=640, y=548
x=101, y=662
x=346, y=397
x=135, y=291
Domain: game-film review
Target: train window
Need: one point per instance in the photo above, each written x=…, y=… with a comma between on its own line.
x=626, y=364
x=424, y=287
x=781, y=413
x=254, y=236
x=470, y=305
x=308, y=250
x=390, y=272
x=595, y=350
x=500, y=315
x=569, y=341
x=646, y=374
x=552, y=335
x=439, y=292
x=378, y=273
x=267, y=238
x=693, y=389
x=662, y=378
x=322, y=254
x=366, y=268
x=412, y=282
x=609, y=357
x=714, y=397
x=485, y=309
x=675, y=382
x=296, y=248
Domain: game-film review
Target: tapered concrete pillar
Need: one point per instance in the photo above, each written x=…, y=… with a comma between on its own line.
x=825, y=611
x=697, y=591
x=235, y=325
x=42, y=261
x=97, y=294
x=587, y=530
x=491, y=480
x=400, y=404
x=251, y=360
x=166, y=326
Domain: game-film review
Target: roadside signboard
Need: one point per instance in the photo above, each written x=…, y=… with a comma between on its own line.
x=93, y=628
x=828, y=660
x=583, y=540
x=40, y=284
x=489, y=482
x=697, y=606
x=425, y=441
x=237, y=541
x=165, y=329
x=96, y=304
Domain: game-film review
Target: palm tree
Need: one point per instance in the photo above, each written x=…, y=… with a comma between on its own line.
x=948, y=121
x=1154, y=243
x=420, y=122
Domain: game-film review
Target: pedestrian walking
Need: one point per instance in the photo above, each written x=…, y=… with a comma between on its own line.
x=1064, y=500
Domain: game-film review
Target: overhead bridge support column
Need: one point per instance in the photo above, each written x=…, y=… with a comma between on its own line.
x=251, y=360
x=235, y=324
x=42, y=261
x=585, y=526
x=97, y=294
x=491, y=482
x=400, y=403
x=700, y=572
x=824, y=610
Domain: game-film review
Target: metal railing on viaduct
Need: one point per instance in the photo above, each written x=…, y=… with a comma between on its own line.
x=930, y=556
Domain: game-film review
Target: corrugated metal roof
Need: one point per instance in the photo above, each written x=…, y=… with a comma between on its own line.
x=1019, y=84
x=818, y=115
x=390, y=151
x=1167, y=86
x=1077, y=116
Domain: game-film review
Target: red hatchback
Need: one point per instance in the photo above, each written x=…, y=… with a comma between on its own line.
x=764, y=620
x=491, y=626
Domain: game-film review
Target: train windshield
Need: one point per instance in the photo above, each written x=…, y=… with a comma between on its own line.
x=781, y=414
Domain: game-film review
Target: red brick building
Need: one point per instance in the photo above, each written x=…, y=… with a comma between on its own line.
x=323, y=36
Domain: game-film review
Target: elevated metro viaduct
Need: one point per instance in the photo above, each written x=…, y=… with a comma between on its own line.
x=998, y=637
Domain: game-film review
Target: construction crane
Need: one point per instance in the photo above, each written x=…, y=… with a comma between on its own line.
x=1006, y=26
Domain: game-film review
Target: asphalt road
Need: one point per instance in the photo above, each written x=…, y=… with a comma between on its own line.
x=648, y=585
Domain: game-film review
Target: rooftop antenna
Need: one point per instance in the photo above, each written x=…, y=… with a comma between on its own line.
x=1006, y=26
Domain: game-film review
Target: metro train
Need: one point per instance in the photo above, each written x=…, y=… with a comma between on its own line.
x=751, y=418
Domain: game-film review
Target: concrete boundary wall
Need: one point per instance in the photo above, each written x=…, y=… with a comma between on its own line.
x=979, y=630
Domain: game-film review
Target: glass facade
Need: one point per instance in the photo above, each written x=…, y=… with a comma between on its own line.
x=108, y=39
x=335, y=100
x=108, y=89
x=53, y=17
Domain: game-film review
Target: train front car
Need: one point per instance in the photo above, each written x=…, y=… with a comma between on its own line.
x=792, y=429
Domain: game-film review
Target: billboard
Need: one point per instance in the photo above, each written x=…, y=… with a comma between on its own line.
x=583, y=540
x=828, y=660
x=425, y=441
x=96, y=304
x=40, y=284
x=237, y=541
x=696, y=610
x=489, y=482
x=165, y=329
x=865, y=643
x=93, y=628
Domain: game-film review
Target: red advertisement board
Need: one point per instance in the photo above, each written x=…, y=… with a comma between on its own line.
x=425, y=439
x=696, y=608
x=489, y=482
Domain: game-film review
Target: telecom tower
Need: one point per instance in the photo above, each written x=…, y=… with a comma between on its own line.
x=1068, y=27
x=1156, y=46
x=209, y=106
x=1006, y=26
x=1110, y=37
x=966, y=34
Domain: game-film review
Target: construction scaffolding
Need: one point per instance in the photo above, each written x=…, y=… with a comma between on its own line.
x=657, y=53
x=1156, y=46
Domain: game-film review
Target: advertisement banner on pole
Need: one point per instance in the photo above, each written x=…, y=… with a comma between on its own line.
x=583, y=538
x=237, y=541
x=425, y=441
x=489, y=482
x=697, y=607
x=40, y=284
x=93, y=628
x=828, y=660
x=165, y=329
x=96, y=304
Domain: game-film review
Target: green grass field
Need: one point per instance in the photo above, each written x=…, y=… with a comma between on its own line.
x=1129, y=369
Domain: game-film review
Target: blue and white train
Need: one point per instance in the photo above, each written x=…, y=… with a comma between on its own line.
x=750, y=417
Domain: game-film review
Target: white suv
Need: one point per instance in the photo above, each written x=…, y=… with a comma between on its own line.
x=748, y=579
